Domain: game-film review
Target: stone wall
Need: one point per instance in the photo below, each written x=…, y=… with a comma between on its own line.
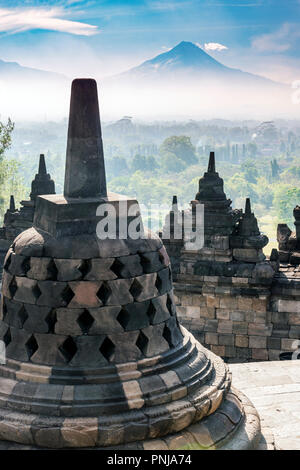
x=239, y=321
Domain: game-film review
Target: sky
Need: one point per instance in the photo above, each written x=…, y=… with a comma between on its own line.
x=101, y=38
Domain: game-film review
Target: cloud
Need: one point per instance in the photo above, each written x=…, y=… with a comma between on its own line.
x=279, y=41
x=15, y=20
x=212, y=46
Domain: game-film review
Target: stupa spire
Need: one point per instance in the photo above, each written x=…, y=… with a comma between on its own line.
x=85, y=170
x=212, y=163
x=12, y=206
x=248, y=206
x=42, y=165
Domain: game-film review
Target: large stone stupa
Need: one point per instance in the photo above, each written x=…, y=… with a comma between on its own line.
x=95, y=356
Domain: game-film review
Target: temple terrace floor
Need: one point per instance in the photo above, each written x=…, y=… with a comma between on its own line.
x=274, y=389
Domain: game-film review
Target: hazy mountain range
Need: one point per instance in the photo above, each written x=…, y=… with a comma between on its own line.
x=182, y=82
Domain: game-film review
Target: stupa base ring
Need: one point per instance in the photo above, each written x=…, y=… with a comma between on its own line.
x=225, y=429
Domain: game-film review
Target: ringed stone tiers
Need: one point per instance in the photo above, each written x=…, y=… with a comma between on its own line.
x=95, y=354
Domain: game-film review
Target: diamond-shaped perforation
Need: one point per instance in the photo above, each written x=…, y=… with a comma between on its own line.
x=52, y=270
x=136, y=289
x=68, y=349
x=142, y=343
x=151, y=312
x=22, y=315
x=117, y=267
x=104, y=293
x=85, y=321
x=4, y=309
x=51, y=320
x=7, y=337
x=123, y=318
x=158, y=283
x=85, y=267
x=7, y=262
x=170, y=305
x=13, y=287
x=168, y=336
x=26, y=265
x=66, y=296
x=107, y=349
x=31, y=346
x=36, y=291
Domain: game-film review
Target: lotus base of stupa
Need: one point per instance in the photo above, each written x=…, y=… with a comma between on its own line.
x=235, y=425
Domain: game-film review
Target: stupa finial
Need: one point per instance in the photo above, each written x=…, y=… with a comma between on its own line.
x=248, y=206
x=42, y=165
x=212, y=163
x=85, y=170
x=12, y=206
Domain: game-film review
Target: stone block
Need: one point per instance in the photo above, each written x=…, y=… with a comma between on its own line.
x=230, y=351
x=68, y=269
x=207, y=312
x=41, y=269
x=211, y=338
x=259, y=342
x=259, y=329
x=105, y=320
x=134, y=316
x=151, y=262
x=27, y=290
x=218, y=350
x=85, y=294
x=99, y=270
x=226, y=340
x=273, y=354
x=243, y=353
x=244, y=303
x=153, y=342
x=294, y=318
x=123, y=291
x=280, y=318
x=163, y=307
x=292, y=306
x=193, y=312
x=49, y=350
x=222, y=314
x=127, y=266
x=237, y=316
x=18, y=264
x=39, y=319
x=242, y=341
x=198, y=300
x=16, y=348
x=225, y=326
x=260, y=354
x=240, y=328
x=212, y=301
x=273, y=343
x=228, y=302
x=288, y=344
x=294, y=332
x=260, y=305
x=211, y=326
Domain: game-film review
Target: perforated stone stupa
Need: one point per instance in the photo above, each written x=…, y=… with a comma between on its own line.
x=95, y=354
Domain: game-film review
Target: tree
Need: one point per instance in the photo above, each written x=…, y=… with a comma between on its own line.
x=5, y=136
x=250, y=171
x=10, y=180
x=180, y=146
x=170, y=163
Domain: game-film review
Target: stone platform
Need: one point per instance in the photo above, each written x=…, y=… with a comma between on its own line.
x=274, y=389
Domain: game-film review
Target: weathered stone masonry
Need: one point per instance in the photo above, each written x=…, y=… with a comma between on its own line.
x=235, y=301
